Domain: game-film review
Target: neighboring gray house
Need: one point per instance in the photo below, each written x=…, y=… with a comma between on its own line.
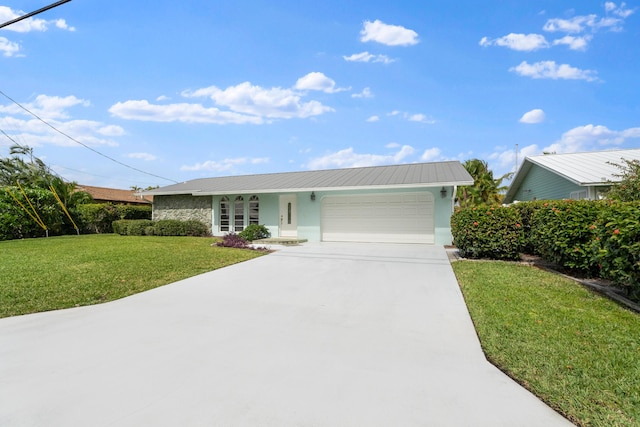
x=410, y=203
x=567, y=176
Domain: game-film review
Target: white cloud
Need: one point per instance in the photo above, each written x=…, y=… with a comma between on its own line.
x=317, y=81
x=142, y=156
x=62, y=24
x=225, y=165
x=29, y=24
x=591, y=137
x=162, y=98
x=579, y=24
x=348, y=158
x=574, y=43
x=503, y=160
x=366, y=93
x=368, y=57
x=390, y=35
x=420, y=118
x=252, y=100
x=520, y=42
x=576, y=24
x=533, y=117
x=621, y=10
x=111, y=130
x=373, y=119
x=551, y=70
x=34, y=133
x=46, y=107
x=431, y=154
x=8, y=48
x=183, y=112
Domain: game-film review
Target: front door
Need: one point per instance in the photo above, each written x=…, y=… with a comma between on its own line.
x=288, y=216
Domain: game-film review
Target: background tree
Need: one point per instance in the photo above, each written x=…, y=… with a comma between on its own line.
x=628, y=188
x=23, y=168
x=485, y=190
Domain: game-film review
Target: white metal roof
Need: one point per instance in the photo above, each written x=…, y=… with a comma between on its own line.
x=376, y=177
x=584, y=169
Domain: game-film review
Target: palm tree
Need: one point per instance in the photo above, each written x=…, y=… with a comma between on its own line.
x=485, y=188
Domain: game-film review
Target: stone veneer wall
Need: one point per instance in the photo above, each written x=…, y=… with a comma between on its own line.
x=183, y=207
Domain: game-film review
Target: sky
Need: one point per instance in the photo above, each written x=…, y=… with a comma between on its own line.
x=143, y=93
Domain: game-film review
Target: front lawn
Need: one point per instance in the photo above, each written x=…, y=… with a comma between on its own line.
x=576, y=350
x=60, y=272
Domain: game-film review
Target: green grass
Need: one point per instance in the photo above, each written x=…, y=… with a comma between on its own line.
x=60, y=272
x=576, y=350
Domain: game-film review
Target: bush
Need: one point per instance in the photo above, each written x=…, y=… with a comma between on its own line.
x=563, y=233
x=526, y=211
x=488, y=232
x=16, y=223
x=99, y=217
x=174, y=227
x=255, y=232
x=167, y=227
x=617, y=245
x=232, y=240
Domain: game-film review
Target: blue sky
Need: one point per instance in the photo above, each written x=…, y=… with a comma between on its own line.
x=193, y=89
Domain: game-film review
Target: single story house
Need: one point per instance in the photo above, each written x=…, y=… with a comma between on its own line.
x=115, y=195
x=409, y=203
x=567, y=176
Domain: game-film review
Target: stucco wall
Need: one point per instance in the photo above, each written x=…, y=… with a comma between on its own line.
x=183, y=207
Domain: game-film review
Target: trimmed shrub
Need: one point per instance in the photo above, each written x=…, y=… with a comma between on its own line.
x=617, y=245
x=169, y=227
x=255, y=232
x=563, y=233
x=488, y=232
x=526, y=211
x=99, y=217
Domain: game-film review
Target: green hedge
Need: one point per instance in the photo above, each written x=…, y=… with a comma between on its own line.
x=99, y=217
x=562, y=232
x=488, y=232
x=165, y=227
x=617, y=245
x=593, y=238
x=16, y=223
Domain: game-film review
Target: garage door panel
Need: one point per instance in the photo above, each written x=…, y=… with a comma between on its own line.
x=392, y=218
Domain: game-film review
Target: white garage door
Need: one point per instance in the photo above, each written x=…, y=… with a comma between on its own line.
x=387, y=218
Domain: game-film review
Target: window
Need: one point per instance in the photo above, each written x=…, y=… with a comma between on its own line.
x=238, y=214
x=289, y=213
x=578, y=195
x=224, y=214
x=254, y=210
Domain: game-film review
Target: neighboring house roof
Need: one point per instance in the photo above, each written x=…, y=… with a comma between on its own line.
x=375, y=177
x=114, y=195
x=584, y=169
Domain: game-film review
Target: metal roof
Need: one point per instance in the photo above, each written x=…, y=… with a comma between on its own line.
x=375, y=177
x=584, y=169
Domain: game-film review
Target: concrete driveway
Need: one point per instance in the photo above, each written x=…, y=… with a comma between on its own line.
x=314, y=335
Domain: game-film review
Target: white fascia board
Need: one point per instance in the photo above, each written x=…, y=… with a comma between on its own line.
x=346, y=188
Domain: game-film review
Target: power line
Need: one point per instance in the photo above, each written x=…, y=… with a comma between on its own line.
x=30, y=14
x=82, y=144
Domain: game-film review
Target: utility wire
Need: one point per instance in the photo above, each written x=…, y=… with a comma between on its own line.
x=35, y=12
x=80, y=143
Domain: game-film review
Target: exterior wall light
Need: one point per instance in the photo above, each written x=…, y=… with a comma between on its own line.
x=443, y=192
x=313, y=196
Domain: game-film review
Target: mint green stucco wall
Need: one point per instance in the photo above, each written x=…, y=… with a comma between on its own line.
x=310, y=212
